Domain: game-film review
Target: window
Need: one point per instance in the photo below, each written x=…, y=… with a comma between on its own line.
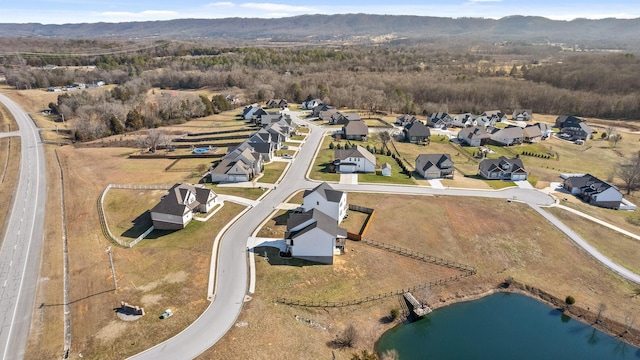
x=317, y=202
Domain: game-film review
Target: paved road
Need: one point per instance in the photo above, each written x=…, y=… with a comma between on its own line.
x=232, y=275
x=22, y=240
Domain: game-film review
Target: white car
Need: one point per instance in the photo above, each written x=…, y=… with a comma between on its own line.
x=287, y=156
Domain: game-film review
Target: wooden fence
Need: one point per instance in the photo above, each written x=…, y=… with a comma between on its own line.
x=343, y=303
x=420, y=256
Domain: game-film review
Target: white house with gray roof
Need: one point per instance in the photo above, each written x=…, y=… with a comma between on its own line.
x=326, y=199
x=313, y=235
x=594, y=191
x=355, y=159
x=175, y=209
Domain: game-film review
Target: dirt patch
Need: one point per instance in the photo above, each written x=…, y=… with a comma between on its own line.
x=112, y=331
x=151, y=299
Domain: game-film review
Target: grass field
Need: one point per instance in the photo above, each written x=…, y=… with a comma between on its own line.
x=526, y=248
x=621, y=249
x=272, y=172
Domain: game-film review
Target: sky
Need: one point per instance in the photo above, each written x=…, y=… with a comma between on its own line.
x=91, y=11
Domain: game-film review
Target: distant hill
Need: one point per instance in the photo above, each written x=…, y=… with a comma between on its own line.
x=349, y=27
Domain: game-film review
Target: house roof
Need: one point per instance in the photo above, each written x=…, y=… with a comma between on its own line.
x=473, y=133
x=441, y=161
x=531, y=131
x=356, y=127
x=526, y=113
x=512, y=132
x=494, y=113
x=502, y=164
x=355, y=151
x=386, y=166
x=588, y=183
x=321, y=221
x=417, y=128
x=406, y=118
x=326, y=191
x=176, y=201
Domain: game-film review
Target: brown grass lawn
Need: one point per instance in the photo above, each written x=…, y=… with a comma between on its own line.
x=9, y=171
x=620, y=248
x=7, y=122
x=45, y=339
x=249, y=193
x=276, y=226
x=168, y=270
x=526, y=248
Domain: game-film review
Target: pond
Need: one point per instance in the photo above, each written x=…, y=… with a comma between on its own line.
x=502, y=326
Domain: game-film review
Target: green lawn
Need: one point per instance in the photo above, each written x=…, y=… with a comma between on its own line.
x=248, y=193
x=298, y=137
x=272, y=172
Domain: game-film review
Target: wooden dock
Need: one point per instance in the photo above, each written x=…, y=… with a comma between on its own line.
x=420, y=310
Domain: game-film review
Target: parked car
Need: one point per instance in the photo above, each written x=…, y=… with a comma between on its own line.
x=287, y=156
x=285, y=147
x=167, y=313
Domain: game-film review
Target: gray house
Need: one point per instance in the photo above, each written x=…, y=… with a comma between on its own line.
x=175, y=209
x=355, y=130
x=474, y=136
x=502, y=169
x=416, y=132
x=434, y=166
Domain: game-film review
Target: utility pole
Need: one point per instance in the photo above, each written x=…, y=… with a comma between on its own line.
x=113, y=271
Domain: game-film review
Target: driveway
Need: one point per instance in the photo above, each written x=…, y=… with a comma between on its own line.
x=524, y=184
x=351, y=179
x=436, y=184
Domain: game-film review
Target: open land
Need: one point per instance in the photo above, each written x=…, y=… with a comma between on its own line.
x=453, y=229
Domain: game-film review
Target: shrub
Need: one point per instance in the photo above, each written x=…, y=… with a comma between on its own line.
x=570, y=300
x=331, y=146
x=394, y=314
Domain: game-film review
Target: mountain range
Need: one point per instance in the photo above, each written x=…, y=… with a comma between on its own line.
x=348, y=27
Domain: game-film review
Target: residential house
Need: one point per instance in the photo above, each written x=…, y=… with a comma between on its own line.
x=574, y=128
x=249, y=110
x=355, y=130
x=339, y=118
x=257, y=115
x=532, y=133
x=434, y=166
x=175, y=209
x=522, y=115
x=386, y=169
x=567, y=120
x=464, y=120
x=545, y=130
x=239, y=165
x=511, y=135
x=326, y=115
x=502, y=168
x=326, y=199
x=354, y=159
x=497, y=115
x=474, y=136
x=594, y=191
x=313, y=235
x=310, y=104
x=416, y=132
x=316, y=110
x=485, y=121
x=406, y=119
x=439, y=120
x=277, y=103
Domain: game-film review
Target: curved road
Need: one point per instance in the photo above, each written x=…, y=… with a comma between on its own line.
x=22, y=239
x=232, y=274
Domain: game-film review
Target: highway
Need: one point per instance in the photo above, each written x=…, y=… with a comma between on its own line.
x=22, y=239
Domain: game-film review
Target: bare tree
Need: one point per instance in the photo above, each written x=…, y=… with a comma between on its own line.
x=601, y=309
x=347, y=338
x=154, y=138
x=385, y=137
x=628, y=171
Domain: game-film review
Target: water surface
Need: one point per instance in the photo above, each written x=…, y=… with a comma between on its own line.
x=502, y=326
